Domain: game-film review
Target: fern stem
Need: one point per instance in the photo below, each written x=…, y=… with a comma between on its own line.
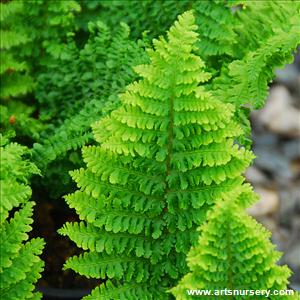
x=170, y=136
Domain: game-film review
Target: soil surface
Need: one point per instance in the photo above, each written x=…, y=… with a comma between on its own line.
x=49, y=216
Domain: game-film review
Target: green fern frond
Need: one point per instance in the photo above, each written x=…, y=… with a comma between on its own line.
x=244, y=81
x=20, y=265
x=27, y=30
x=249, y=31
x=76, y=100
x=110, y=291
x=16, y=85
x=250, y=77
x=10, y=8
x=14, y=81
x=215, y=22
x=18, y=117
x=153, y=16
x=234, y=253
x=10, y=39
x=8, y=63
x=166, y=155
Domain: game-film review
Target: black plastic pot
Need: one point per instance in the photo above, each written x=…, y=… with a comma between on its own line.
x=62, y=294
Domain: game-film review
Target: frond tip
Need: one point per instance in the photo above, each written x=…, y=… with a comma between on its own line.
x=234, y=253
x=165, y=157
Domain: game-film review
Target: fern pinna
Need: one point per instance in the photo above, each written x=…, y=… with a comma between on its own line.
x=234, y=258
x=77, y=100
x=166, y=154
x=20, y=265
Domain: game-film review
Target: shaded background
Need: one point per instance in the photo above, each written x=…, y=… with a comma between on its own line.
x=275, y=173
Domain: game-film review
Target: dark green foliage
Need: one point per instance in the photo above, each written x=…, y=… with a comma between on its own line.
x=30, y=31
x=82, y=75
x=46, y=24
x=20, y=265
x=147, y=15
x=17, y=117
x=234, y=253
x=15, y=78
x=78, y=89
x=166, y=155
x=31, y=35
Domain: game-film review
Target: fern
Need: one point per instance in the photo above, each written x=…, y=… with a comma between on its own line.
x=46, y=24
x=233, y=253
x=59, y=93
x=80, y=100
x=30, y=31
x=224, y=28
x=20, y=265
x=214, y=18
x=15, y=79
x=166, y=154
x=152, y=16
x=244, y=82
x=17, y=117
x=65, y=87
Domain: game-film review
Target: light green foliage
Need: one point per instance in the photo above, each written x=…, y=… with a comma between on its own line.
x=260, y=49
x=77, y=89
x=20, y=265
x=246, y=79
x=81, y=85
x=166, y=156
x=241, y=41
x=234, y=253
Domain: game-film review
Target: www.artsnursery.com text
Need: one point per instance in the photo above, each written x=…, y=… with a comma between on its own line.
x=229, y=292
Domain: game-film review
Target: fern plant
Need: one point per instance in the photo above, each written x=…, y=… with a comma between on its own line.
x=15, y=79
x=244, y=81
x=72, y=100
x=234, y=253
x=165, y=156
x=30, y=31
x=71, y=96
x=241, y=41
x=20, y=265
x=152, y=16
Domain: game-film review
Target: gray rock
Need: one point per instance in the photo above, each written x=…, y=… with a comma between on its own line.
x=291, y=149
x=292, y=257
x=265, y=138
x=268, y=203
x=288, y=76
x=255, y=176
x=269, y=159
x=279, y=114
x=289, y=203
